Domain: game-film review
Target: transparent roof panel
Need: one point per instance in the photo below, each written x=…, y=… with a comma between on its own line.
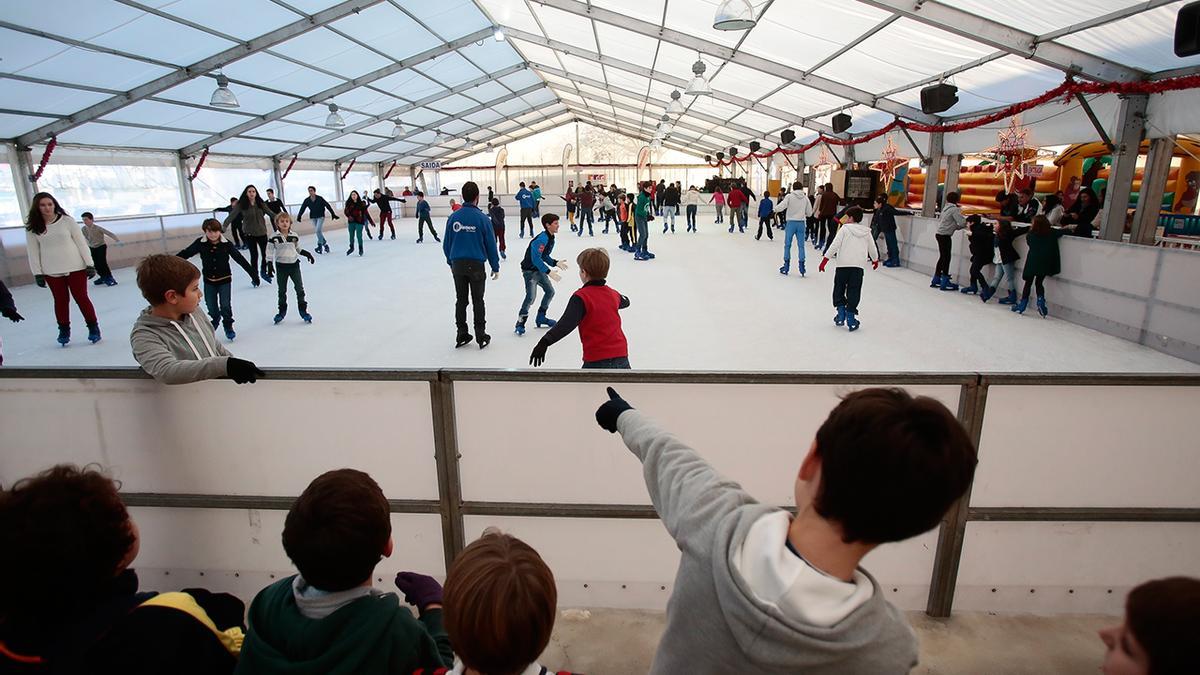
x=453, y=104
x=803, y=100
x=293, y=132
x=483, y=117
x=487, y=91
x=646, y=10
x=458, y=126
x=694, y=17
x=249, y=146
x=874, y=65
x=1142, y=41
x=626, y=45
x=566, y=27
x=744, y=82
x=591, y=69
x=389, y=30
x=46, y=59
x=266, y=15
x=15, y=125
x=168, y=115
x=676, y=61
x=279, y=74
x=408, y=84
x=536, y=53
x=421, y=117
x=1038, y=17
x=714, y=107
x=520, y=80
x=322, y=152
x=802, y=33
x=354, y=141
x=510, y=107
x=449, y=70
x=383, y=128
x=491, y=55
x=758, y=121
x=162, y=39
x=200, y=91
x=514, y=13
x=98, y=133
x=322, y=48
x=541, y=98
x=449, y=19
x=627, y=80
x=369, y=100
x=18, y=95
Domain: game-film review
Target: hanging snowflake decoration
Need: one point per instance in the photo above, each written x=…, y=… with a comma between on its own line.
x=1010, y=153
x=890, y=161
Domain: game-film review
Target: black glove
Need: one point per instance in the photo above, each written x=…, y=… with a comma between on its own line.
x=538, y=356
x=91, y=272
x=40, y=280
x=270, y=269
x=607, y=414
x=311, y=259
x=336, y=218
x=242, y=371
x=12, y=314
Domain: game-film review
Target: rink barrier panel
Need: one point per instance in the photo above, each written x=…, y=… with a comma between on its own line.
x=454, y=511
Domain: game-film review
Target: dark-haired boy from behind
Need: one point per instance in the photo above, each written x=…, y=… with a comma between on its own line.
x=329, y=619
x=172, y=341
x=595, y=310
x=759, y=590
x=982, y=244
x=853, y=246
x=215, y=253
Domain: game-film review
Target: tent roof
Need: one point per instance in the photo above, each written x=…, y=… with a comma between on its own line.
x=139, y=73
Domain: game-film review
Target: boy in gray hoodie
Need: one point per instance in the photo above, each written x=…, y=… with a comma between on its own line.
x=761, y=591
x=171, y=340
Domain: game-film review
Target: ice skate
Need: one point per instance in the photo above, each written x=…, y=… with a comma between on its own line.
x=840, y=318
x=948, y=285
x=542, y=322
x=1041, y=306
x=64, y=335
x=484, y=340
x=93, y=333
x=520, y=329
x=802, y=270
x=935, y=281
x=1021, y=305
x=1010, y=299
x=783, y=270
x=969, y=290
x=281, y=314
x=229, y=334
x=463, y=339
x=987, y=293
x=503, y=256
x=306, y=316
x=852, y=321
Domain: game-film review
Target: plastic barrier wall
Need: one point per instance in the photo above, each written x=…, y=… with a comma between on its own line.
x=1072, y=504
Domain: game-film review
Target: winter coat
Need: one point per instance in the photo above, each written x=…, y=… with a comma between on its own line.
x=796, y=204
x=255, y=219
x=827, y=204
x=1005, y=240
x=178, y=352
x=214, y=259
x=1043, y=258
x=952, y=220
x=765, y=208
x=469, y=236
x=60, y=250
x=691, y=198
x=356, y=212
x=853, y=246
x=982, y=243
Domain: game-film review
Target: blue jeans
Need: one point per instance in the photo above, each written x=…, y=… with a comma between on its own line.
x=691, y=216
x=619, y=362
x=1003, y=269
x=533, y=279
x=586, y=214
x=319, y=223
x=743, y=217
x=793, y=229
x=669, y=213
x=893, y=249
x=643, y=232
x=217, y=297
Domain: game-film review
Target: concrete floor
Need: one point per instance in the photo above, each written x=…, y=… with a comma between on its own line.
x=966, y=643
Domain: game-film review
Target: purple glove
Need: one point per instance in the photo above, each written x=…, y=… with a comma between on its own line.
x=419, y=590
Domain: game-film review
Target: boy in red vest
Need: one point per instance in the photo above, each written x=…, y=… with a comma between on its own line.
x=594, y=309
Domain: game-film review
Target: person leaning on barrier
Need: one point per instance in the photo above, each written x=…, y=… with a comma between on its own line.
x=760, y=591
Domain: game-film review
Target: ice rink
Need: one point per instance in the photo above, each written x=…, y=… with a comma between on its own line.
x=710, y=301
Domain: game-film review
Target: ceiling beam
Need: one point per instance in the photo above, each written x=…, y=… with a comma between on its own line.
x=323, y=96
x=964, y=24
x=671, y=80
x=375, y=119
x=758, y=63
x=432, y=126
x=195, y=70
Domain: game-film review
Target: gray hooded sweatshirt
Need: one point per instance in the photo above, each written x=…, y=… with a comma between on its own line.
x=717, y=621
x=178, y=352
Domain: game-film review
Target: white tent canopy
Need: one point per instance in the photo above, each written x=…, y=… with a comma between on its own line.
x=141, y=73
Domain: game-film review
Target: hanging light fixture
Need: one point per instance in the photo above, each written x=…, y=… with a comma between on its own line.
x=675, y=107
x=398, y=130
x=222, y=97
x=734, y=15
x=498, y=34
x=699, y=84
x=439, y=137
x=656, y=144
x=334, y=120
x=665, y=124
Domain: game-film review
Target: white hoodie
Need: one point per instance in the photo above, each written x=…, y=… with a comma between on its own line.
x=797, y=205
x=853, y=246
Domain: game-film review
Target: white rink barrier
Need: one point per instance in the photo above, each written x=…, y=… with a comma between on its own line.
x=1145, y=294
x=1072, y=504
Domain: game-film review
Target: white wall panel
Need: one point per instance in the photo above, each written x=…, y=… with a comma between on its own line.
x=216, y=438
x=1088, y=446
x=755, y=434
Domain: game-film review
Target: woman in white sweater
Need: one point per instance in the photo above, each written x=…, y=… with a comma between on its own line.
x=59, y=257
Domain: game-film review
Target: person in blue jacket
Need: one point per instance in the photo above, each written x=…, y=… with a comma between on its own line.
x=538, y=268
x=766, y=214
x=527, y=202
x=469, y=241
x=423, y=218
x=537, y=201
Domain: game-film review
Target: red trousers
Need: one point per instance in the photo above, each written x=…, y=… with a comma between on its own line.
x=74, y=284
x=386, y=217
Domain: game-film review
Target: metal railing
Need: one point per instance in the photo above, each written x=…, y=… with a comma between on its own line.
x=452, y=508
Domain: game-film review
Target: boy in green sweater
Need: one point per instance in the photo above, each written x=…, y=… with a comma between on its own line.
x=329, y=619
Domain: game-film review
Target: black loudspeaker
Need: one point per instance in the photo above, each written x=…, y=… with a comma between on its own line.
x=938, y=98
x=720, y=156
x=754, y=146
x=708, y=159
x=733, y=151
x=1187, y=30
x=841, y=122
x=787, y=136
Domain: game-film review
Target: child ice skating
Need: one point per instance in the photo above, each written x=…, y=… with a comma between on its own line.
x=982, y=244
x=285, y=259
x=357, y=217
x=538, y=268
x=496, y=213
x=1006, y=236
x=766, y=214
x=952, y=221
x=594, y=309
x=852, y=246
x=1043, y=261
x=423, y=219
x=215, y=253
x=95, y=238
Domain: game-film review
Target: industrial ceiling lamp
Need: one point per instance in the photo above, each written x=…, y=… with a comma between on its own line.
x=498, y=34
x=439, y=137
x=334, y=120
x=675, y=107
x=398, y=129
x=734, y=15
x=699, y=84
x=664, y=123
x=656, y=144
x=222, y=97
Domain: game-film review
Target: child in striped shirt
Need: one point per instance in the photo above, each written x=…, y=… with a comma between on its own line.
x=285, y=260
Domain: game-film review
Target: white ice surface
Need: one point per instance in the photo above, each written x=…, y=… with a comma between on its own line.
x=711, y=301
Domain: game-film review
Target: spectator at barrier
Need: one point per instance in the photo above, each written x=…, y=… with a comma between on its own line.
x=760, y=591
x=69, y=598
x=171, y=339
x=1042, y=261
x=8, y=310
x=1008, y=207
x=1082, y=214
x=59, y=257
x=407, y=192
x=317, y=207
x=501, y=603
x=95, y=238
x=883, y=221
x=1158, y=635
x=1054, y=210
x=329, y=618
x=469, y=242
x=1027, y=206
x=952, y=221
x=1071, y=194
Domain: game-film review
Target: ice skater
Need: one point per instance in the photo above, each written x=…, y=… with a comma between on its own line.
x=766, y=214
x=797, y=208
x=384, y=202
x=538, y=268
x=215, y=253
x=317, y=207
x=59, y=257
x=852, y=246
x=285, y=259
x=982, y=244
x=1042, y=261
x=496, y=213
x=595, y=310
x=95, y=238
x=468, y=243
x=357, y=218
x=1006, y=236
x=423, y=219
x=952, y=220
x=526, y=201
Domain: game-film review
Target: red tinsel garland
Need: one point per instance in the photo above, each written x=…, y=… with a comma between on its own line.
x=45, y=158
x=389, y=171
x=199, y=164
x=290, y=165
x=1064, y=91
x=347, y=171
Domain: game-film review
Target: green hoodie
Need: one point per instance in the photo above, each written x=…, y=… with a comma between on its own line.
x=371, y=635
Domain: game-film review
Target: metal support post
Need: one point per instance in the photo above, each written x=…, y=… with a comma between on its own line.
x=953, y=168
x=337, y=182
x=850, y=158
x=1131, y=126
x=277, y=178
x=1154, y=183
x=22, y=168
x=445, y=443
x=929, y=200
x=187, y=194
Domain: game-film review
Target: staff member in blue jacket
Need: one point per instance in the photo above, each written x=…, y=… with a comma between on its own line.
x=469, y=240
x=527, y=202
